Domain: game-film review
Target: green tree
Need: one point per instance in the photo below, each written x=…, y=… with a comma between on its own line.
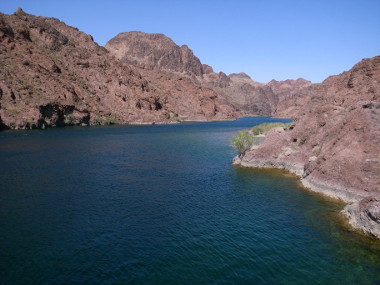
x=242, y=141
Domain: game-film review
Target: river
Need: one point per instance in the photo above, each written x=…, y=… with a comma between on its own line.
x=163, y=205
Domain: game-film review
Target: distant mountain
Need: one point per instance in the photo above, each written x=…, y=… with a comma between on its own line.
x=154, y=51
x=287, y=87
x=157, y=51
x=52, y=74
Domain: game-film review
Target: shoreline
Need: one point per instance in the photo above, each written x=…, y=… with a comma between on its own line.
x=135, y=123
x=131, y=123
x=355, y=211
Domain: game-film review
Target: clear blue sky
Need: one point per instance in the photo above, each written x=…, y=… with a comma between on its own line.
x=266, y=39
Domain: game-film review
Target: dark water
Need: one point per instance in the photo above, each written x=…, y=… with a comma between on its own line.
x=163, y=205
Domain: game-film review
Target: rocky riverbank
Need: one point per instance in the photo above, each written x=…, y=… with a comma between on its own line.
x=362, y=212
x=52, y=74
x=333, y=144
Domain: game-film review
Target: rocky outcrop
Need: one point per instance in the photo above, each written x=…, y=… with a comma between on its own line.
x=248, y=97
x=287, y=87
x=365, y=215
x=156, y=51
x=333, y=144
x=285, y=91
x=52, y=75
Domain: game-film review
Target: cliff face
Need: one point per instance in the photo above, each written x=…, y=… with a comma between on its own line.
x=156, y=51
x=52, y=74
x=334, y=142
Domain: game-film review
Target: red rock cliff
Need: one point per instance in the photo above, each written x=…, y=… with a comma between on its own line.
x=334, y=142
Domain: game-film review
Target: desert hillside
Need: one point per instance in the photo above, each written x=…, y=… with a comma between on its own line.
x=53, y=74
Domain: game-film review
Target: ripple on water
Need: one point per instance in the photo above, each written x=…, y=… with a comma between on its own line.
x=161, y=205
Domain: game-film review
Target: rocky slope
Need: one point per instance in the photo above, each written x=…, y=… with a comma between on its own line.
x=154, y=51
x=247, y=96
x=157, y=51
x=285, y=91
x=52, y=74
x=334, y=143
x=288, y=87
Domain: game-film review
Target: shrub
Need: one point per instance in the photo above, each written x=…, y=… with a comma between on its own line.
x=110, y=120
x=69, y=120
x=242, y=141
x=263, y=128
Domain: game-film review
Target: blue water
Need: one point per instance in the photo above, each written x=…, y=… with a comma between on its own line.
x=164, y=205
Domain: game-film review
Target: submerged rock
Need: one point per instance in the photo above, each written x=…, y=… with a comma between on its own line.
x=365, y=215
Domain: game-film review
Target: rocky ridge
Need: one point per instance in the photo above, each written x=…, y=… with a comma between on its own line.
x=287, y=87
x=158, y=52
x=333, y=144
x=52, y=74
x=136, y=48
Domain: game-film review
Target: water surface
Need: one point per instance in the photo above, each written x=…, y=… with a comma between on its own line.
x=164, y=205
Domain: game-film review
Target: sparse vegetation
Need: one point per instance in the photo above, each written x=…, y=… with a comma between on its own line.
x=242, y=141
x=263, y=128
x=245, y=139
x=14, y=111
x=69, y=119
x=110, y=120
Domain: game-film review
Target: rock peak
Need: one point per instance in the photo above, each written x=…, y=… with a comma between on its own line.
x=155, y=51
x=240, y=75
x=20, y=12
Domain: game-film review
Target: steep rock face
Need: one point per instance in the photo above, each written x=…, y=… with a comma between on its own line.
x=334, y=142
x=52, y=74
x=156, y=51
